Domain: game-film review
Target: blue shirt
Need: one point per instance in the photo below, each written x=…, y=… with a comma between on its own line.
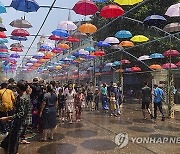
x=158, y=95
x=104, y=91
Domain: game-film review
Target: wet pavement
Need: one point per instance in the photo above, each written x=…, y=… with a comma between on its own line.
x=95, y=134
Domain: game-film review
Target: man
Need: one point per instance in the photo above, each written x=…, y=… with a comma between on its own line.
x=146, y=99
x=104, y=96
x=158, y=97
x=90, y=95
x=6, y=107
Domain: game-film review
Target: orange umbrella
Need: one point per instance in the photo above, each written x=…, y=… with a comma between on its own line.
x=37, y=64
x=126, y=44
x=155, y=67
x=87, y=28
x=64, y=46
x=41, y=61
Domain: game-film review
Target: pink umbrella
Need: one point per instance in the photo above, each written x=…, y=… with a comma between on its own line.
x=20, y=32
x=55, y=38
x=169, y=53
x=125, y=61
x=169, y=65
x=135, y=69
x=173, y=10
x=178, y=63
x=111, y=40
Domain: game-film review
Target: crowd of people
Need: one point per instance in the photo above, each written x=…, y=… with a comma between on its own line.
x=39, y=104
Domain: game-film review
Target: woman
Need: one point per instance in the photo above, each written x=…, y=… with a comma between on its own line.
x=11, y=142
x=48, y=112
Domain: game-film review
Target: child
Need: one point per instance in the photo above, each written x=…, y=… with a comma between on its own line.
x=112, y=104
x=61, y=103
x=96, y=99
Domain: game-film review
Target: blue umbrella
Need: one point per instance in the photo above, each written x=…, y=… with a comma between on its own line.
x=45, y=48
x=3, y=40
x=25, y=5
x=90, y=57
x=156, y=55
x=2, y=8
x=89, y=49
x=76, y=54
x=102, y=44
x=15, y=55
x=3, y=48
x=154, y=20
x=4, y=55
x=123, y=34
x=60, y=33
x=117, y=63
x=18, y=38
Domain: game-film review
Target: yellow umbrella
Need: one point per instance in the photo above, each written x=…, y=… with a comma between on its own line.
x=155, y=67
x=139, y=38
x=58, y=67
x=87, y=28
x=127, y=2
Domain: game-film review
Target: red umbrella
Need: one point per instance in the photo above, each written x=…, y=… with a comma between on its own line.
x=17, y=49
x=20, y=32
x=55, y=38
x=57, y=50
x=98, y=53
x=178, y=64
x=169, y=53
x=111, y=11
x=85, y=7
x=72, y=39
x=135, y=69
x=125, y=61
x=2, y=35
x=169, y=65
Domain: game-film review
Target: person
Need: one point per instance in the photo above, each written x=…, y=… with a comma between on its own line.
x=61, y=104
x=96, y=99
x=11, y=142
x=112, y=104
x=104, y=96
x=119, y=97
x=48, y=113
x=158, y=98
x=146, y=96
x=6, y=107
x=90, y=95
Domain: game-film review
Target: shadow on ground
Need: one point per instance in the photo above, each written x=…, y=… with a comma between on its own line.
x=70, y=126
x=168, y=128
x=141, y=129
x=81, y=133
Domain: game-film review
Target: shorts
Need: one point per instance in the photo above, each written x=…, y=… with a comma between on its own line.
x=61, y=106
x=145, y=105
x=90, y=97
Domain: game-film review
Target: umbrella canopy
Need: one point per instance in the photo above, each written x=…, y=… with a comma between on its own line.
x=67, y=25
x=17, y=45
x=2, y=8
x=156, y=56
x=88, y=28
x=29, y=64
x=55, y=38
x=126, y=44
x=89, y=49
x=4, y=55
x=39, y=55
x=57, y=50
x=3, y=40
x=15, y=55
x=60, y=33
x=139, y=38
x=102, y=44
x=80, y=35
x=169, y=53
x=154, y=20
x=2, y=28
x=89, y=57
x=33, y=60
x=178, y=64
x=98, y=53
x=20, y=23
x=112, y=40
x=144, y=57
x=63, y=46
x=117, y=63
x=123, y=34
x=125, y=61
x=18, y=38
x=85, y=7
x=173, y=10
x=17, y=49
x=2, y=35
x=155, y=67
x=127, y=2
x=169, y=65
x=83, y=52
x=20, y=32
x=110, y=64
x=111, y=11
x=25, y=5
x=72, y=39
x=172, y=27
x=45, y=47
x=3, y=48
x=135, y=69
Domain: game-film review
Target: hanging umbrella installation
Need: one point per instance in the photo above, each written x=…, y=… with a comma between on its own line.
x=18, y=38
x=171, y=53
x=169, y=66
x=2, y=8
x=112, y=40
x=139, y=38
x=67, y=25
x=3, y=48
x=173, y=10
x=87, y=28
x=127, y=2
x=155, y=20
x=156, y=56
x=80, y=35
x=155, y=67
x=20, y=32
x=61, y=33
x=55, y=38
x=15, y=55
x=172, y=27
x=20, y=23
x=3, y=40
x=126, y=44
x=123, y=34
x=102, y=44
x=144, y=57
x=2, y=35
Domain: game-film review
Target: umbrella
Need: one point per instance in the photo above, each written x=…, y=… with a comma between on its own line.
x=173, y=10
x=110, y=64
x=15, y=55
x=144, y=57
x=20, y=32
x=127, y=2
x=4, y=55
x=85, y=7
x=17, y=49
x=63, y=46
x=111, y=40
x=3, y=40
x=126, y=44
x=25, y=5
x=18, y=38
x=178, y=63
x=87, y=28
x=60, y=33
x=90, y=57
x=154, y=20
x=2, y=8
x=29, y=64
x=17, y=45
x=156, y=55
x=98, y=53
x=102, y=44
x=3, y=48
x=39, y=55
x=2, y=28
x=172, y=27
x=139, y=38
x=67, y=25
x=72, y=39
x=89, y=49
x=33, y=60
x=155, y=67
x=117, y=47
x=45, y=47
x=57, y=50
x=99, y=1
x=55, y=38
x=169, y=53
x=125, y=61
x=111, y=11
x=135, y=69
x=20, y=23
x=169, y=65
x=83, y=52
x=123, y=34
x=80, y=35
x=2, y=35
x=42, y=60
x=117, y=63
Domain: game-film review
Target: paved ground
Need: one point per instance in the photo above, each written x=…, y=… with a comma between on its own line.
x=96, y=135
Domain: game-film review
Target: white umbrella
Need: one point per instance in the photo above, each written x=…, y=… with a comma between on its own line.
x=67, y=25
x=111, y=40
x=172, y=27
x=110, y=64
x=29, y=64
x=33, y=60
x=144, y=57
x=173, y=10
x=83, y=52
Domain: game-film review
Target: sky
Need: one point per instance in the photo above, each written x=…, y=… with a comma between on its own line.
x=36, y=19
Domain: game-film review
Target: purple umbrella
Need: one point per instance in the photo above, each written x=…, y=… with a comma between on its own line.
x=15, y=55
